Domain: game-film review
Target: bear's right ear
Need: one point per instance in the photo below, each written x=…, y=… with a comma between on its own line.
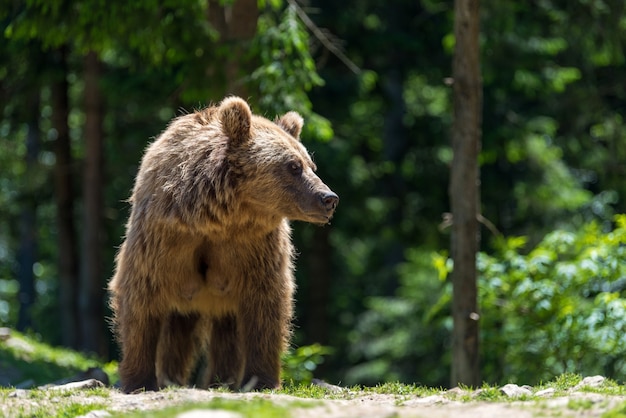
x=236, y=118
x=291, y=122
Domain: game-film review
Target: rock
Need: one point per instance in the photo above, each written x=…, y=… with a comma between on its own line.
x=455, y=391
x=18, y=393
x=84, y=384
x=590, y=381
x=91, y=373
x=19, y=344
x=5, y=333
x=546, y=392
x=514, y=391
x=477, y=392
x=209, y=413
x=327, y=386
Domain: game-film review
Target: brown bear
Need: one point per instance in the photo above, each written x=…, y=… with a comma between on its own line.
x=207, y=261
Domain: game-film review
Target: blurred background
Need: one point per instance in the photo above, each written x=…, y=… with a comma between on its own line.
x=85, y=85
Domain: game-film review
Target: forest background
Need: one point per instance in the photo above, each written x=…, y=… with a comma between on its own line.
x=85, y=85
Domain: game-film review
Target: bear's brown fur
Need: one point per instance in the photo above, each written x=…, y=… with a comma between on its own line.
x=207, y=262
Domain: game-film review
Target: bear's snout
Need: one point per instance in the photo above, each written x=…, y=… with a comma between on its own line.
x=329, y=201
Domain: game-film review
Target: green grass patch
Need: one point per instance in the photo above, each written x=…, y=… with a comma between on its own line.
x=257, y=407
x=40, y=403
x=395, y=388
x=309, y=391
x=70, y=410
x=566, y=381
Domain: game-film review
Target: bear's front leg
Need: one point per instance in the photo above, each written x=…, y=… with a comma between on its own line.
x=265, y=324
x=138, y=335
x=178, y=349
x=226, y=359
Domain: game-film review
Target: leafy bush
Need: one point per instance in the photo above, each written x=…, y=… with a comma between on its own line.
x=558, y=308
x=299, y=364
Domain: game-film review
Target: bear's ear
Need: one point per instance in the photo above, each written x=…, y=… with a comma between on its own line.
x=291, y=122
x=236, y=117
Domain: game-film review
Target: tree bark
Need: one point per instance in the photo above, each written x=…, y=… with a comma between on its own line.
x=91, y=296
x=64, y=192
x=464, y=192
x=27, y=252
x=236, y=24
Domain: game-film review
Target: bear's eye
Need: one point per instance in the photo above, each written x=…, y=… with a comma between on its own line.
x=295, y=168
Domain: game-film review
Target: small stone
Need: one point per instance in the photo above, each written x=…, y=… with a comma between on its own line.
x=455, y=391
x=590, y=381
x=5, y=333
x=546, y=392
x=477, y=392
x=327, y=386
x=84, y=384
x=209, y=413
x=514, y=391
x=18, y=393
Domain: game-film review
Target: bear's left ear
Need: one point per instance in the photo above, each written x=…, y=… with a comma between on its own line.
x=291, y=122
x=236, y=118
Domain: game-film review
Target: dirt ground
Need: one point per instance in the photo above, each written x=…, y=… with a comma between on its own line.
x=574, y=404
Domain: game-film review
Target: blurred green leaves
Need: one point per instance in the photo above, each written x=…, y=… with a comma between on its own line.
x=287, y=71
x=559, y=307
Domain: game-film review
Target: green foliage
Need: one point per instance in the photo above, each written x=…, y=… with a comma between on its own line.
x=299, y=364
x=286, y=71
x=559, y=308
x=26, y=359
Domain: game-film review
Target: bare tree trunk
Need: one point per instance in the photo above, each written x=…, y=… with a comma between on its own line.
x=464, y=192
x=27, y=252
x=64, y=192
x=91, y=296
x=236, y=24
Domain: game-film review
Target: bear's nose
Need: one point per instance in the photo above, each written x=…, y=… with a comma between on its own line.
x=330, y=200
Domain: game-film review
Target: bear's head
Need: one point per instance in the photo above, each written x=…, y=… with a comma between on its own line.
x=278, y=174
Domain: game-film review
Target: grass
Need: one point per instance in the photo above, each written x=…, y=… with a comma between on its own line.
x=40, y=403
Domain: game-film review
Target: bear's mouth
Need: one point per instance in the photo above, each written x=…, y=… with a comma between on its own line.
x=317, y=218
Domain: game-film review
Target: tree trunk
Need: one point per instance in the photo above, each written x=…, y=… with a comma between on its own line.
x=27, y=252
x=91, y=296
x=464, y=192
x=236, y=24
x=66, y=238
